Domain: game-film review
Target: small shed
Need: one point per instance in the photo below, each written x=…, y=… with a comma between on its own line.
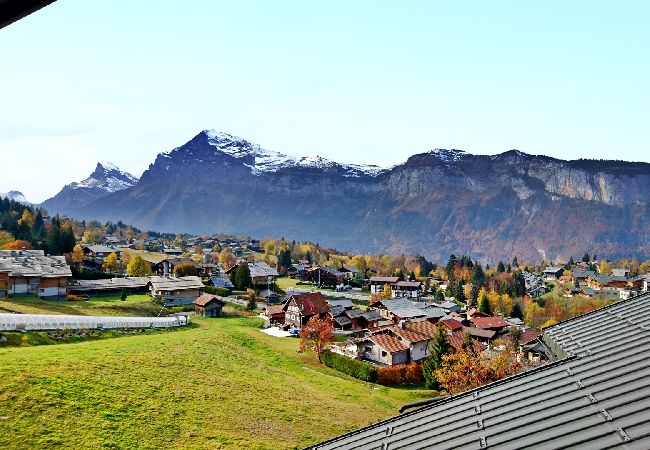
x=208, y=305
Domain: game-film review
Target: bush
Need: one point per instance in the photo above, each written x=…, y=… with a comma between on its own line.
x=400, y=374
x=74, y=298
x=222, y=292
x=354, y=368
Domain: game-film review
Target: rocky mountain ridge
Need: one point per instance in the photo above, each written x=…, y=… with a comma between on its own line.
x=435, y=203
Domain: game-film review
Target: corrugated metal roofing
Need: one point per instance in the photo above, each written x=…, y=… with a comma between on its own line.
x=595, y=395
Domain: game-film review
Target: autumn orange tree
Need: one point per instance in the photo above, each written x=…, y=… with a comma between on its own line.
x=317, y=336
x=464, y=370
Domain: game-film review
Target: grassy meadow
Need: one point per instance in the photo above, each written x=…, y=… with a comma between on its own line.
x=218, y=384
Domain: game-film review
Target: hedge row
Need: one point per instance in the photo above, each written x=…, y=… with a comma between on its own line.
x=354, y=368
x=400, y=374
x=222, y=292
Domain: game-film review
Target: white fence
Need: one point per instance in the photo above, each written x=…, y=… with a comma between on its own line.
x=51, y=322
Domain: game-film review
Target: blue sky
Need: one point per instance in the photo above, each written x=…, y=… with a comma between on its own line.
x=362, y=81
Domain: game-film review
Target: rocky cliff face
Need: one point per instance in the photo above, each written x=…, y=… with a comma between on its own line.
x=434, y=204
x=106, y=179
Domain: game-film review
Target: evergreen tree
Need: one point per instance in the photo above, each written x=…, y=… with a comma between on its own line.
x=508, y=268
x=478, y=276
x=440, y=296
x=53, y=240
x=460, y=292
x=516, y=311
x=571, y=262
x=484, y=305
x=123, y=294
x=585, y=257
x=438, y=347
x=515, y=262
x=451, y=264
x=241, y=277
x=501, y=267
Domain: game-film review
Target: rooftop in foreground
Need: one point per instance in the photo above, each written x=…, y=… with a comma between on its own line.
x=594, y=394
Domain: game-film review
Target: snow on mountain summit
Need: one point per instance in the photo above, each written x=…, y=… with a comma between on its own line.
x=108, y=177
x=271, y=161
x=16, y=196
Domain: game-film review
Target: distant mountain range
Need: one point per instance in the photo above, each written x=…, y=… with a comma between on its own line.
x=434, y=204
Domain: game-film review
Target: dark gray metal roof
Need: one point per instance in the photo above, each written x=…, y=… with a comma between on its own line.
x=595, y=395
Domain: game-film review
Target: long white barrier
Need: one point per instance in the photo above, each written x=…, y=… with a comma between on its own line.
x=51, y=322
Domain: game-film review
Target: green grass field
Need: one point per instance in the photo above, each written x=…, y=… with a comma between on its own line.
x=219, y=384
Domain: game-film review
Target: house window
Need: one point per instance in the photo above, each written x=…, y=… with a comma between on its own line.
x=383, y=354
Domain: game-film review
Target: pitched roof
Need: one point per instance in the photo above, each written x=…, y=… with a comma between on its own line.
x=205, y=299
x=478, y=332
x=409, y=334
x=414, y=284
x=529, y=335
x=594, y=394
x=262, y=269
x=452, y=324
x=176, y=283
x=389, y=343
x=489, y=322
x=384, y=279
x=310, y=304
x=401, y=308
x=33, y=263
x=274, y=309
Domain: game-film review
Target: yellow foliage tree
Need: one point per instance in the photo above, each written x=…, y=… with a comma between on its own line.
x=110, y=263
x=387, y=292
x=6, y=238
x=77, y=254
x=138, y=267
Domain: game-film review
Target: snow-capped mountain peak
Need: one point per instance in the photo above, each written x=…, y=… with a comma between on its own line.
x=261, y=160
x=16, y=196
x=108, y=177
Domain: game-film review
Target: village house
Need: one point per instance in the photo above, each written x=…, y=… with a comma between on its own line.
x=132, y=285
x=208, y=305
x=553, y=273
x=100, y=251
x=493, y=323
x=300, y=308
x=407, y=289
x=349, y=272
x=31, y=272
x=175, y=291
x=415, y=336
x=324, y=276
x=274, y=315
x=261, y=273
x=383, y=349
x=377, y=284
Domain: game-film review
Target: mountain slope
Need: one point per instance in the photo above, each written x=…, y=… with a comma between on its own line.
x=106, y=179
x=436, y=203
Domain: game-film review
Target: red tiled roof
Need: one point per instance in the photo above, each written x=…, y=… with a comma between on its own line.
x=311, y=304
x=452, y=324
x=529, y=336
x=425, y=327
x=410, y=335
x=489, y=322
x=274, y=309
x=388, y=343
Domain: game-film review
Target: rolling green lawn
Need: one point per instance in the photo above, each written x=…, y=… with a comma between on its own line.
x=219, y=384
x=109, y=305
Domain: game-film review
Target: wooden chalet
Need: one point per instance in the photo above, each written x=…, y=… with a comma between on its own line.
x=299, y=309
x=208, y=305
x=324, y=276
x=31, y=272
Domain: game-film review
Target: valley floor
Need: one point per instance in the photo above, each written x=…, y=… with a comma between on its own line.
x=218, y=384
